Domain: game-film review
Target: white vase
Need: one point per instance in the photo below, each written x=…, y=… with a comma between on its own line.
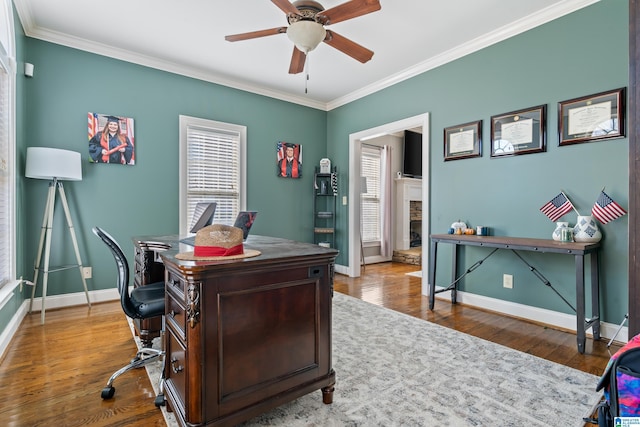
x=586, y=230
x=557, y=233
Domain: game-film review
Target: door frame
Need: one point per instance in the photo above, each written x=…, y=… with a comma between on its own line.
x=355, y=153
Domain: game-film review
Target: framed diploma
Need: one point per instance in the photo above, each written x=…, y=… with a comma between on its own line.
x=519, y=132
x=463, y=141
x=592, y=118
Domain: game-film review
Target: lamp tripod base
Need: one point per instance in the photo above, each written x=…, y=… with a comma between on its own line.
x=45, y=243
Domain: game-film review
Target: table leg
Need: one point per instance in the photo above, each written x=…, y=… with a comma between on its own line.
x=580, y=330
x=454, y=273
x=595, y=295
x=432, y=274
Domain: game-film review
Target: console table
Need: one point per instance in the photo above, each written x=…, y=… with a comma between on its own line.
x=245, y=336
x=515, y=244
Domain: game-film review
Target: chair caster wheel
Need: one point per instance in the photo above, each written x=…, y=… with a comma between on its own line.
x=108, y=392
x=159, y=400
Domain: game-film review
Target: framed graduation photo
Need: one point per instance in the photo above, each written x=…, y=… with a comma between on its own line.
x=111, y=139
x=288, y=160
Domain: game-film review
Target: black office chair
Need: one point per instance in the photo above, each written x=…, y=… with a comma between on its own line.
x=142, y=303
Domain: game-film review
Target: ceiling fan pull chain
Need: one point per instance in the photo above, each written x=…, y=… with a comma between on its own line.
x=306, y=66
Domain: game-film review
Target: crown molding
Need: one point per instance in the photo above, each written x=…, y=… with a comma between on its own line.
x=171, y=67
x=542, y=17
x=535, y=20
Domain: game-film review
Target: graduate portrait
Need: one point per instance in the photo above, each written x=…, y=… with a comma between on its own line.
x=289, y=160
x=111, y=139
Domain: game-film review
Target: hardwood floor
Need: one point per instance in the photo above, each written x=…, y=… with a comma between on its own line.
x=52, y=374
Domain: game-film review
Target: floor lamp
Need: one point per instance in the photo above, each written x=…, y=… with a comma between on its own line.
x=54, y=165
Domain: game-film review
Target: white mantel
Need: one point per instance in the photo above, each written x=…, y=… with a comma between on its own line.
x=407, y=189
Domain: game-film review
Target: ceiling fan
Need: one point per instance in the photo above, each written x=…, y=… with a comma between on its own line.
x=307, y=20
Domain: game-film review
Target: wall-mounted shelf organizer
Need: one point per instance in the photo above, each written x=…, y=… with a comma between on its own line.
x=325, y=188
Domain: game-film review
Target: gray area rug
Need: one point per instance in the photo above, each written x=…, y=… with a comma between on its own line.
x=396, y=370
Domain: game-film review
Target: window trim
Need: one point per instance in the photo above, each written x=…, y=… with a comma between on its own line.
x=184, y=123
x=7, y=58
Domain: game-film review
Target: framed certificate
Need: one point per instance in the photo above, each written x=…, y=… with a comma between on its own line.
x=519, y=132
x=463, y=141
x=592, y=118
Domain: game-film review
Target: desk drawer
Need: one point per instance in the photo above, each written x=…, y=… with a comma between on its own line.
x=176, y=315
x=176, y=285
x=176, y=370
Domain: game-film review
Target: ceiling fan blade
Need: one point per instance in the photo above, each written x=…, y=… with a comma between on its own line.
x=348, y=10
x=298, y=59
x=347, y=46
x=286, y=7
x=255, y=34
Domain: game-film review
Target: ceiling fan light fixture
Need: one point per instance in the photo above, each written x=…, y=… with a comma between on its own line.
x=306, y=35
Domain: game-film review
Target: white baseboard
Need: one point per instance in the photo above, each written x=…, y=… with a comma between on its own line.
x=541, y=315
x=342, y=269
x=76, y=298
x=526, y=312
x=12, y=327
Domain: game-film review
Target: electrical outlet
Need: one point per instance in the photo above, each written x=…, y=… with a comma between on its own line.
x=86, y=272
x=507, y=281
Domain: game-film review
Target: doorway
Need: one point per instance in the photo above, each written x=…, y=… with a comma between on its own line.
x=355, y=154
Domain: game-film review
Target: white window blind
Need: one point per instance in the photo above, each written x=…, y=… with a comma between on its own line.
x=370, y=200
x=213, y=168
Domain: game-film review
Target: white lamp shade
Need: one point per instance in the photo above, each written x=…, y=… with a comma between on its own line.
x=50, y=163
x=306, y=35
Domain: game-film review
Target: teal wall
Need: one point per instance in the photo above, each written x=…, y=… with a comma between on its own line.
x=143, y=199
x=580, y=54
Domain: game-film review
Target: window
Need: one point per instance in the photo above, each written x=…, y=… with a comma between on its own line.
x=7, y=149
x=370, y=200
x=212, y=168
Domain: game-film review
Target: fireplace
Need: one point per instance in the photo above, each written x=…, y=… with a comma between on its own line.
x=408, y=213
x=408, y=221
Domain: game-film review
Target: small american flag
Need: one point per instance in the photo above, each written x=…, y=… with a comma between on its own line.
x=92, y=124
x=606, y=210
x=280, y=150
x=557, y=207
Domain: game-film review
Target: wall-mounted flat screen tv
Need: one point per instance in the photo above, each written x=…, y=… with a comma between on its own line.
x=412, y=154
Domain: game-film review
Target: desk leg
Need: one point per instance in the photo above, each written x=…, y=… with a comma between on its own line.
x=432, y=274
x=580, y=330
x=595, y=295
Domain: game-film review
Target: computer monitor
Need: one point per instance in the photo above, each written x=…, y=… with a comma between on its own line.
x=202, y=216
x=244, y=221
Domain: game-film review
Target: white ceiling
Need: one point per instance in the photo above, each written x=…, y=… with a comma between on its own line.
x=187, y=37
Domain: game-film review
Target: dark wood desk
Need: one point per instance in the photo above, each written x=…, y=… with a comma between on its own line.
x=578, y=250
x=245, y=336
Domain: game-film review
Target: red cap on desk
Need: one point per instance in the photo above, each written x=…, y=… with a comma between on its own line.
x=218, y=242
